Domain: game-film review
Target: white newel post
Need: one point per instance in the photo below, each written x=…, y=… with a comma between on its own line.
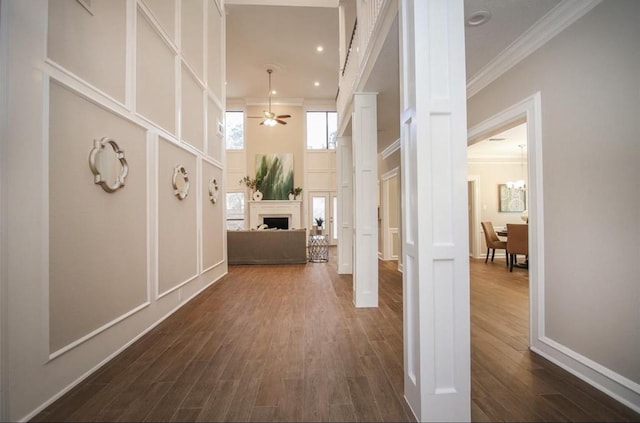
x=365, y=219
x=434, y=210
x=344, y=166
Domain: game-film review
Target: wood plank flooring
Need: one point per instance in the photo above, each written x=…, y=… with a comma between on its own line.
x=284, y=343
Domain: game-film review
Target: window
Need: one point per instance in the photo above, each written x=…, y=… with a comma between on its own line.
x=234, y=138
x=235, y=211
x=322, y=130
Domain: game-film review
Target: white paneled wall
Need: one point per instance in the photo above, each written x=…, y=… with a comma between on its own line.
x=100, y=269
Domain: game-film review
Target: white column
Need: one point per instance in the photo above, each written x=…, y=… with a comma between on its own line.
x=344, y=165
x=365, y=216
x=434, y=212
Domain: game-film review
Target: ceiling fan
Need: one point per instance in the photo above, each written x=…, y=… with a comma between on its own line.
x=270, y=118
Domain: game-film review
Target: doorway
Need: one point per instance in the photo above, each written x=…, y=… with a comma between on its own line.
x=324, y=205
x=527, y=111
x=389, y=214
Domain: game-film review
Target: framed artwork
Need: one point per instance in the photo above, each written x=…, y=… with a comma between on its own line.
x=274, y=174
x=511, y=200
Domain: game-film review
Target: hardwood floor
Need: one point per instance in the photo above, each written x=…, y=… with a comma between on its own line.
x=284, y=343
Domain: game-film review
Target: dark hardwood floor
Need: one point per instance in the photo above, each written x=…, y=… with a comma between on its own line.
x=284, y=343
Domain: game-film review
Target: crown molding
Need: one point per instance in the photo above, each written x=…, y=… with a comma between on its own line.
x=551, y=24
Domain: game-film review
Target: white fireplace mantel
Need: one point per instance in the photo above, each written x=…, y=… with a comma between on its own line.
x=275, y=208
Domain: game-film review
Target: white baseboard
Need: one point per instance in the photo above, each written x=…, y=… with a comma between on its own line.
x=611, y=383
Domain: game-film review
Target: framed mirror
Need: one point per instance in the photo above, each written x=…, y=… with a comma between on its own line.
x=180, y=182
x=213, y=190
x=108, y=164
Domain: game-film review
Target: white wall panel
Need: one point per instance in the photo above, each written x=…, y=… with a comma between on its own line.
x=177, y=235
x=155, y=77
x=212, y=218
x=165, y=13
x=192, y=113
x=97, y=240
x=215, y=139
x=215, y=49
x=192, y=40
x=91, y=45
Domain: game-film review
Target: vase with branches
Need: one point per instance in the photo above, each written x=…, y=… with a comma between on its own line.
x=251, y=183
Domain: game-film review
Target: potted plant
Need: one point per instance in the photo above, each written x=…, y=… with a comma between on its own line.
x=319, y=223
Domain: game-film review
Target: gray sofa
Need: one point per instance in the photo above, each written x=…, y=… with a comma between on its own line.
x=267, y=247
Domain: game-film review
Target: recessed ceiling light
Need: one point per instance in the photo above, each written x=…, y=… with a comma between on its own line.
x=317, y=84
x=274, y=92
x=319, y=49
x=478, y=18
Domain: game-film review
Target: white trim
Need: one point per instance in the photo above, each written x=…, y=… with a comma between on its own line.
x=130, y=55
x=95, y=94
x=213, y=266
x=73, y=384
x=4, y=110
x=551, y=24
x=477, y=228
x=530, y=110
x=611, y=383
x=45, y=334
x=180, y=285
x=82, y=340
x=155, y=24
x=392, y=148
x=199, y=215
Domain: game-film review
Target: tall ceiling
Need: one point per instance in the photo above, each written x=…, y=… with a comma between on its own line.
x=283, y=35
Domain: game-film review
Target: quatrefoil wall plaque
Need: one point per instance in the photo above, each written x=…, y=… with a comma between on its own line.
x=213, y=190
x=108, y=164
x=180, y=182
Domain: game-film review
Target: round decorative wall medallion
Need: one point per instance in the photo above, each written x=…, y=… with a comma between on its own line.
x=213, y=190
x=180, y=182
x=103, y=163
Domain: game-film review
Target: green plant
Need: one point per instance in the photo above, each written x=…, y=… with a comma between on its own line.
x=251, y=183
x=295, y=191
x=319, y=221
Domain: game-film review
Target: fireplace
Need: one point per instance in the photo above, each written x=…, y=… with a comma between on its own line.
x=261, y=211
x=276, y=222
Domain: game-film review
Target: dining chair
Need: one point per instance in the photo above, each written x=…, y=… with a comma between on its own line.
x=493, y=242
x=517, y=242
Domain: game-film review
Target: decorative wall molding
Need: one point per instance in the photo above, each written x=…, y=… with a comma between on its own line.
x=392, y=148
x=555, y=21
x=97, y=367
x=97, y=331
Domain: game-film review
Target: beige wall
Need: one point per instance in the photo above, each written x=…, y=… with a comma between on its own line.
x=588, y=79
x=490, y=175
x=289, y=138
x=92, y=271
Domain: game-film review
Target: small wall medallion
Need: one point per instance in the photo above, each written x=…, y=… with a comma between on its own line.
x=104, y=164
x=180, y=182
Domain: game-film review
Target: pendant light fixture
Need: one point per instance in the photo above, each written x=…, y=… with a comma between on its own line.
x=520, y=183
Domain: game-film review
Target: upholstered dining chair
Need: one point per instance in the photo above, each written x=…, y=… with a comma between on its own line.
x=493, y=242
x=517, y=242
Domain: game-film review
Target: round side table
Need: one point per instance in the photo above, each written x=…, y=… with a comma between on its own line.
x=318, y=248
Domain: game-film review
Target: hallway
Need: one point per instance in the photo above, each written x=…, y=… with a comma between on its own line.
x=284, y=343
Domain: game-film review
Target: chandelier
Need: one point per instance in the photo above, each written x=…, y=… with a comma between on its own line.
x=519, y=184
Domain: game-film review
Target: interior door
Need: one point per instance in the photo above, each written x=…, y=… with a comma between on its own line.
x=324, y=204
